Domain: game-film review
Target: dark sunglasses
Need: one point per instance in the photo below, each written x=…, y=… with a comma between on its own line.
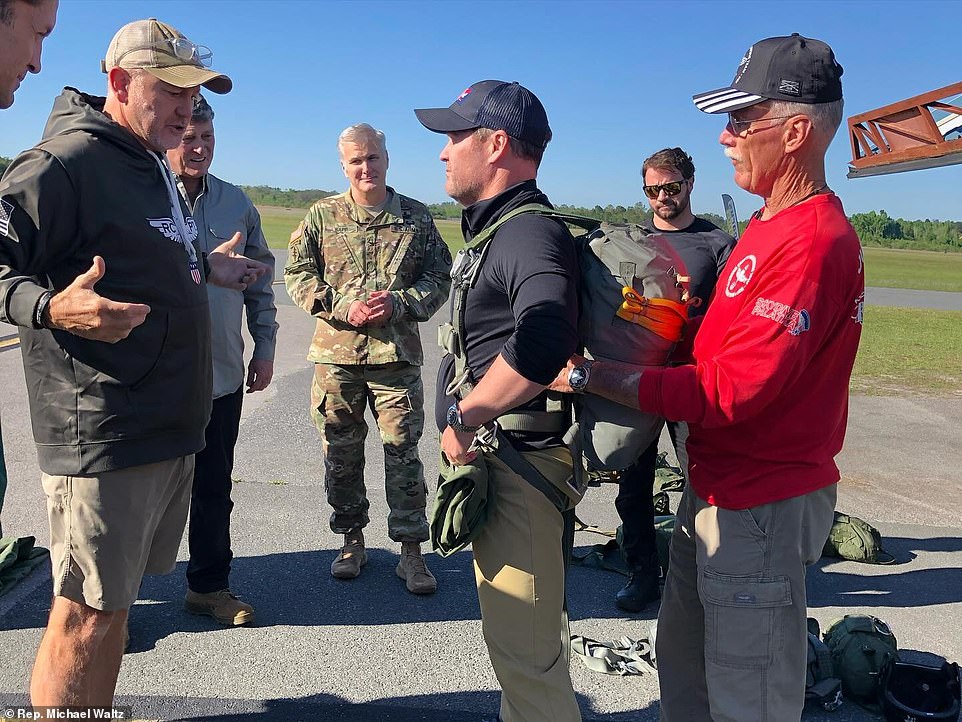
x=671, y=189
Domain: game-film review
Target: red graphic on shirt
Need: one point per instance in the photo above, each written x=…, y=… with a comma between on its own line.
x=740, y=276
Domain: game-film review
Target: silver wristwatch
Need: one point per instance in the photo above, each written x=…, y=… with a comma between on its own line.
x=455, y=422
x=578, y=376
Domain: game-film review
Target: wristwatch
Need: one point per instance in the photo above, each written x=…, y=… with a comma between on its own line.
x=578, y=376
x=455, y=422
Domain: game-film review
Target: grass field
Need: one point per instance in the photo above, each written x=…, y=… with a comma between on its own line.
x=278, y=223
x=925, y=270
x=902, y=350
x=888, y=268
x=909, y=350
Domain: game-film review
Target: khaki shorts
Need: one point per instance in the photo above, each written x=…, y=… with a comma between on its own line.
x=107, y=531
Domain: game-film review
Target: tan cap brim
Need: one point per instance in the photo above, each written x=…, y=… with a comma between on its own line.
x=190, y=76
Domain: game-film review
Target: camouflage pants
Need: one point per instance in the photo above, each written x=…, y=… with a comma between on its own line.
x=395, y=395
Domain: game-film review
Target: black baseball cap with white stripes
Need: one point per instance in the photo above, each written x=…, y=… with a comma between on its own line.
x=792, y=68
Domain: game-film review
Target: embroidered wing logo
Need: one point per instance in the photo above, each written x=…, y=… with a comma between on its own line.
x=191, y=228
x=167, y=227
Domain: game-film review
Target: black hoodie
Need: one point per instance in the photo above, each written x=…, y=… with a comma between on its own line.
x=91, y=188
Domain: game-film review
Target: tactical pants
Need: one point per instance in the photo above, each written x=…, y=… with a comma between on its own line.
x=519, y=567
x=732, y=644
x=637, y=511
x=635, y=505
x=395, y=395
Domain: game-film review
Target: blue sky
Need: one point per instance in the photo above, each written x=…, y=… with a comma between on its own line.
x=615, y=77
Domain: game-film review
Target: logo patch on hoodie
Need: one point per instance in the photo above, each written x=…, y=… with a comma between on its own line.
x=6, y=210
x=168, y=227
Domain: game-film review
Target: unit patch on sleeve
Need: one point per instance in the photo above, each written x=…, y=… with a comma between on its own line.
x=6, y=210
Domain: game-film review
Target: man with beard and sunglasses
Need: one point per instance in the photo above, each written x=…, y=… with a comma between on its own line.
x=669, y=178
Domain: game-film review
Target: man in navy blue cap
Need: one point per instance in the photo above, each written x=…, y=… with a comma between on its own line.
x=514, y=324
x=766, y=401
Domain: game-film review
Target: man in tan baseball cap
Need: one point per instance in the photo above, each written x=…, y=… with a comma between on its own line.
x=99, y=269
x=164, y=52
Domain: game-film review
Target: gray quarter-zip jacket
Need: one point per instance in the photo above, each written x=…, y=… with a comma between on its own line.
x=219, y=211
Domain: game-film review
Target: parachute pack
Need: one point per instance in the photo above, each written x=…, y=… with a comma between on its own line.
x=860, y=646
x=634, y=309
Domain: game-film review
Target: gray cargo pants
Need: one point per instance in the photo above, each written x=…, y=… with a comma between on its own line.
x=731, y=641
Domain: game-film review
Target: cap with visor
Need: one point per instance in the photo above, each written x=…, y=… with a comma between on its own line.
x=493, y=104
x=793, y=68
x=164, y=52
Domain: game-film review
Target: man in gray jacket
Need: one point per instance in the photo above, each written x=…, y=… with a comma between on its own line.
x=219, y=210
x=99, y=271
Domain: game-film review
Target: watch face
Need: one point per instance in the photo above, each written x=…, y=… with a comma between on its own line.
x=452, y=416
x=577, y=377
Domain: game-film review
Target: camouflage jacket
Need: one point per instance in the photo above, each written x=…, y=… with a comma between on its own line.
x=340, y=254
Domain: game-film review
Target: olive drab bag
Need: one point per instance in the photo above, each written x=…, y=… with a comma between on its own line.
x=822, y=687
x=667, y=478
x=856, y=540
x=860, y=645
x=634, y=295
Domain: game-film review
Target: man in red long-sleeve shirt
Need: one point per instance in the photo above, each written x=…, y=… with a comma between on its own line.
x=766, y=400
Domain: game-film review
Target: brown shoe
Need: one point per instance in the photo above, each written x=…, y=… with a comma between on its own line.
x=352, y=557
x=415, y=573
x=221, y=605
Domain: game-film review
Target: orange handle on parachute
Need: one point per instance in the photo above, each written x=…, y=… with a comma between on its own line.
x=663, y=316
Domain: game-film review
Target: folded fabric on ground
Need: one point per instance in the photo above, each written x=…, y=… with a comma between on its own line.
x=18, y=557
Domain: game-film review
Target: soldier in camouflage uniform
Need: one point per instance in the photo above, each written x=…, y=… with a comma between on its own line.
x=370, y=264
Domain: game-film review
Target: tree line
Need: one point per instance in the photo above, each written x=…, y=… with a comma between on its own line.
x=875, y=228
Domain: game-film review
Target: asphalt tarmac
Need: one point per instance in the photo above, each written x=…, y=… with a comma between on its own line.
x=368, y=650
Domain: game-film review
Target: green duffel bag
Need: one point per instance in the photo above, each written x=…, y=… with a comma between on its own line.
x=856, y=540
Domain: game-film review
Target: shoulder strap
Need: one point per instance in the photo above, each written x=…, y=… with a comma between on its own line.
x=587, y=224
x=464, y=274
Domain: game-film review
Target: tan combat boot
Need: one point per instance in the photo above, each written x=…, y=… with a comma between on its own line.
x=352, y=557
x=221, y=605
x=412, y=569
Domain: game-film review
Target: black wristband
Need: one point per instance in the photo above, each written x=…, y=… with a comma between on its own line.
x=43, y=303
x=203, y=257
